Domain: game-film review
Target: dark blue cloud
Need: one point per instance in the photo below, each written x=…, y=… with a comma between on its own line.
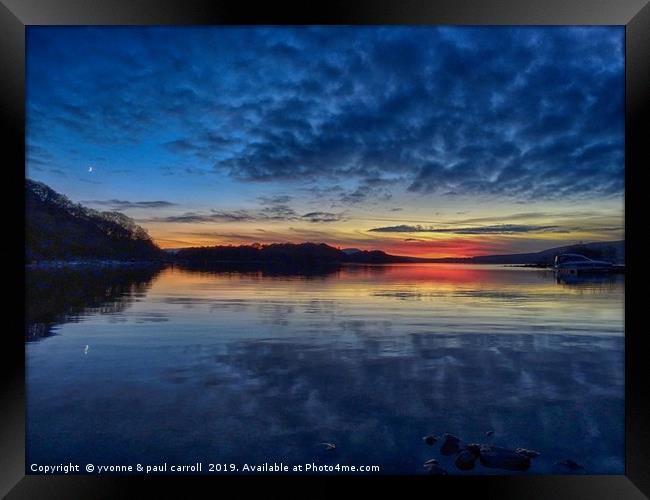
x=268, y=214
x=497, y=229
x=516, y=112
x=321, y=217
x=125, y=204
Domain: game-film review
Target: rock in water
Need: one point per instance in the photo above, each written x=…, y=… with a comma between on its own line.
x=465, y=460
x=474, y=448
x=430, y=440
x=450, y=445
x=570, y=464
x=495, y=457
x=528, y=453
x=431, y=461
x=436, y=470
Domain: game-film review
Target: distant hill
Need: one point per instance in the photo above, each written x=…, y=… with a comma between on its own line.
x=303, y=254
x=612, y=251
x=290, y=254
x=277, y=252
x=58, y=229
x=375, y=257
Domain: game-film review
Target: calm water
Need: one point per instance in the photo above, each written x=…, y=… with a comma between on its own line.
x=169, y=365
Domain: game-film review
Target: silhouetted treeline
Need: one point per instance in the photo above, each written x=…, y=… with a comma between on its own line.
x=57, y=229
x=288, y=254
x=375, y=257
x=302, y=254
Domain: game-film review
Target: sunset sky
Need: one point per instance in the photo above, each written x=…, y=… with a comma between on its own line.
x=425, y=141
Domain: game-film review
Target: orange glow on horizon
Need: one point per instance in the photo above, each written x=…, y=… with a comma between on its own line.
x=439, y=248
x=350, y=235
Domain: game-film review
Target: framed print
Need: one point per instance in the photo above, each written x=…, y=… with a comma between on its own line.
x=377, y=241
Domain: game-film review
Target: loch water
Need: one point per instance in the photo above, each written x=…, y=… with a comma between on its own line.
x=128, y=365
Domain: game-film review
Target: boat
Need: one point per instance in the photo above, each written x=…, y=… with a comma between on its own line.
x=573, y=263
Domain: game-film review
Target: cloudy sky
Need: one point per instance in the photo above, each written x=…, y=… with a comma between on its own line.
x=429, y=141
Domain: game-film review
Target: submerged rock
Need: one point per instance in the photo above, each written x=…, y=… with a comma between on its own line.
x=430, y=439
x=570, y=464
x=474, y=448
x=495, y=457
x=450, y=445
x=436, y=470
x=465, y=460
x=528, y=453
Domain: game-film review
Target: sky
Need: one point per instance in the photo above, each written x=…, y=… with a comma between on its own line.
x=424, y=141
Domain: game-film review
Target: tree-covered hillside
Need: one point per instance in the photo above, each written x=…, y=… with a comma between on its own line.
x=58, y=229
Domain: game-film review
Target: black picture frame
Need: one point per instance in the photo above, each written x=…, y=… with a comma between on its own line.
x=15, y=15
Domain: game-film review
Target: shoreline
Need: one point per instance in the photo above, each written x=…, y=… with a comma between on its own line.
x=61, y=264
x=58, y=264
